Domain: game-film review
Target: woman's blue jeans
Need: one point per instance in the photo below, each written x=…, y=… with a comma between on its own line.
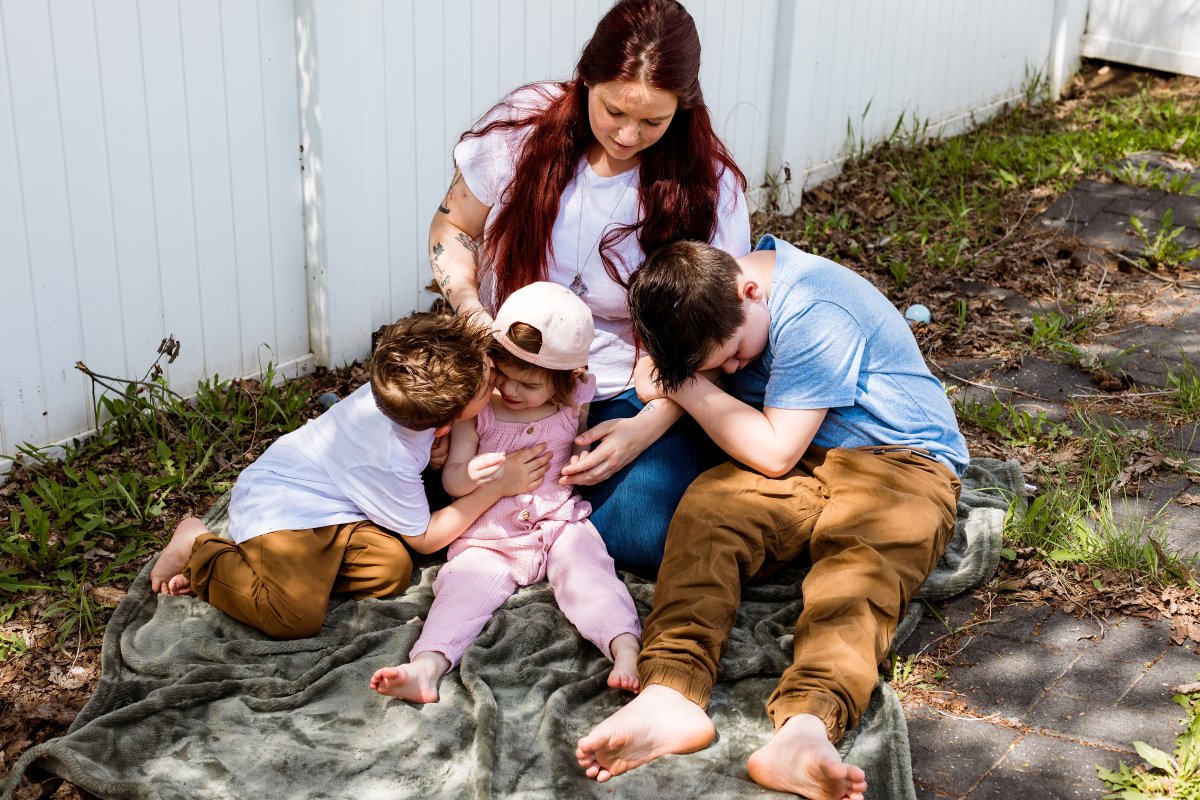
x=633, y=507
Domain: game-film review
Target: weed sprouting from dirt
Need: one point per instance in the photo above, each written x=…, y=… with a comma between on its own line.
x=1161, y=246
x=1185, y=383
x=1163, y=775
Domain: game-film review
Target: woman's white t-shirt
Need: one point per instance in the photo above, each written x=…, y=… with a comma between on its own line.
x=590, y=205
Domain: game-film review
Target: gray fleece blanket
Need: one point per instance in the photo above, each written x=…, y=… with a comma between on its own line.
x=193, y=704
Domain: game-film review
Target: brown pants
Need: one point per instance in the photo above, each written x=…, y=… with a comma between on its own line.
x=280, y=582
x=874, y=525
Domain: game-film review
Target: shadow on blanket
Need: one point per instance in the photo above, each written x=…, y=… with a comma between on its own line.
x=193, y=704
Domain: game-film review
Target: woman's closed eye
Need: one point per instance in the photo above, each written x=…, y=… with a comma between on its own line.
x=612, y=112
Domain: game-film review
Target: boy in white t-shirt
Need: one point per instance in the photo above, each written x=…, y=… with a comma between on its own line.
x=318, y=512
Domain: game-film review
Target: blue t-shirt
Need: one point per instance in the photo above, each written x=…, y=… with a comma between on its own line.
x=836, y=342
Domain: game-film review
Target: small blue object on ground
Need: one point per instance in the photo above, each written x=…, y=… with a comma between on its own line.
x=326, y=400
x=917, y=314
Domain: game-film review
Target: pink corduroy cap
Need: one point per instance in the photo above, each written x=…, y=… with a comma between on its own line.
x=563, y=320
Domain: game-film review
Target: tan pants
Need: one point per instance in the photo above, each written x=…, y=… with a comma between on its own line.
x=874, y=522
x=280, y=582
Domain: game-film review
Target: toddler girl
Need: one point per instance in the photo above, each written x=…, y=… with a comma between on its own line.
x=544, y=332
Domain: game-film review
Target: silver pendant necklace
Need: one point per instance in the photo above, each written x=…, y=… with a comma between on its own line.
x=577, y=285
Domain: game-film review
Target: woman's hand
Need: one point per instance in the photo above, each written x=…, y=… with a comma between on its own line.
x=620, y=442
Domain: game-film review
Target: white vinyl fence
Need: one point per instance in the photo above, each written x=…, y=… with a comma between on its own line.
x=1159, y=34
x=257, y=178
x=149, y=185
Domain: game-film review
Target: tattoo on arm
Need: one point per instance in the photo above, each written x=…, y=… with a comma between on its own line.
x=444, y=207
x=440, y=275
x=472, y=245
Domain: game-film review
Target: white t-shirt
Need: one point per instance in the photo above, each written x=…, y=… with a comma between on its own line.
x=348, y=464
x=589, y=206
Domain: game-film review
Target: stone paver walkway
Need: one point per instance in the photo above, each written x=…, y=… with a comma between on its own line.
x=1049, y=696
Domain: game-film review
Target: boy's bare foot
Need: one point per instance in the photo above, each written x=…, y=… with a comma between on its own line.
x=174, y=556
x=416, y=681
x=625, y=650
x=800, y=759
x=658, y=722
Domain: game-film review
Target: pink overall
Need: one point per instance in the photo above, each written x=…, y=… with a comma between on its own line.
x=527, y=538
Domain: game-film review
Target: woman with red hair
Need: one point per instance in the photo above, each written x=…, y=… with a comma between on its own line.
x=576, y=182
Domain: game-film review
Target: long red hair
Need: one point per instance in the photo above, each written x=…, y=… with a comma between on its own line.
x=650, y=41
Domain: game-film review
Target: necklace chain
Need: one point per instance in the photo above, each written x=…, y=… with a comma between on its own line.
x=577, y=285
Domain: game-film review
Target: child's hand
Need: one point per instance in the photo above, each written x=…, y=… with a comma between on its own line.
x=523, y=470
x=439, y=451
x=485, y=467
x=647, y=388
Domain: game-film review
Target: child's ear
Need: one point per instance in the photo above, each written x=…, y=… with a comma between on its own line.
x=748, y=288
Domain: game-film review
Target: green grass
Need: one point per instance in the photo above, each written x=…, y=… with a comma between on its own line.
x=1013, y=426
x=90, y=518
x=1143, y=175
x=953, y=197
x=1185, y=386
x=1073, y=519
x=1082, y=467
x=1060, y=336
x=1066, y=527
x=1056, y=333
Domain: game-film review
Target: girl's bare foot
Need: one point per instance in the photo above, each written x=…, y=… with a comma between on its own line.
x=625, y=649
x=658, y=722
x=800, y=759
x=174, y=556
x=178, y=586
x=416, y=681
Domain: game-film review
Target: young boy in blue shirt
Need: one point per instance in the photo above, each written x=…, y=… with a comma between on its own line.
x=843, y=447
x=336, y=505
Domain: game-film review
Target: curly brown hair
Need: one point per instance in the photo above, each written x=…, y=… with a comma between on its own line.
x=428, y=367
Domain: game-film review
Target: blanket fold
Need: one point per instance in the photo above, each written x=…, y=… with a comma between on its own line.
x=192, y=703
